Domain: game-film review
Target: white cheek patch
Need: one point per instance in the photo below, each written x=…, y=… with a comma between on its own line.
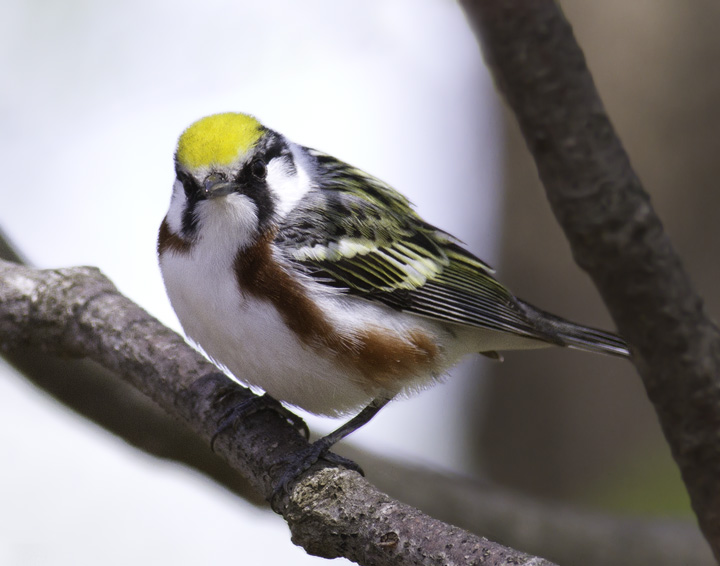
x=288, y=188
x=178, y=202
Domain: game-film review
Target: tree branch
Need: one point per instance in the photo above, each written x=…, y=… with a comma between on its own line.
x=614, y=233
x=565, y=534
x=331, y=512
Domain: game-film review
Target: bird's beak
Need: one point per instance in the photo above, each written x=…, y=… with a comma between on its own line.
x=216, y=185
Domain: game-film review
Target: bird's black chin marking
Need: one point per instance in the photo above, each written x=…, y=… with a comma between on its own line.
x=263, y=200
x=193, y=193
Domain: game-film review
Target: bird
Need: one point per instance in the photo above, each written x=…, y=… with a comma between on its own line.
x=321, y=285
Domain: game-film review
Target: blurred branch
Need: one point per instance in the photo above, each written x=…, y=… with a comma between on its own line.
x=8, y=251
x=331, y=512
x=614, y=233
x=100, y=396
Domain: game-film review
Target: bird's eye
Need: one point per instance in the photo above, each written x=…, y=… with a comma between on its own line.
x=258, y=169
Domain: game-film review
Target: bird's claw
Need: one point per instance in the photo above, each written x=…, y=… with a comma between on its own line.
x=242, y=404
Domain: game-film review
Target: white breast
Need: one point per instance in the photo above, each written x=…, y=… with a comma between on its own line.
x=249, y=338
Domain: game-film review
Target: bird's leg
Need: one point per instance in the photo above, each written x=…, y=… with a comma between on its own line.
x=300, y=461
x=242, y=403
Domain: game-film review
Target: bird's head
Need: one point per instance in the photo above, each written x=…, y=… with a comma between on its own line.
x=231, y=173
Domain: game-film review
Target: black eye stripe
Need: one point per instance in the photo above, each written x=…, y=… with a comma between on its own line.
x=276, y=149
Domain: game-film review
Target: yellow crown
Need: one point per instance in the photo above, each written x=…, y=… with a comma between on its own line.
x=217, y=140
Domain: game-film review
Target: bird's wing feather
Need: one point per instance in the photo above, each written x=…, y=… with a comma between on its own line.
x=355, y=233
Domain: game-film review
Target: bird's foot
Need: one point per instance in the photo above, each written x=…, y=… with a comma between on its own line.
x=300, y=461
x=242, y=403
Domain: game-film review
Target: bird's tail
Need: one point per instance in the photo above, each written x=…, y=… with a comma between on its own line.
x=565, y=333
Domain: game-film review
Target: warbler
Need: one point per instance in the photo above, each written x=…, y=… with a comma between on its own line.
x=320, y=284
